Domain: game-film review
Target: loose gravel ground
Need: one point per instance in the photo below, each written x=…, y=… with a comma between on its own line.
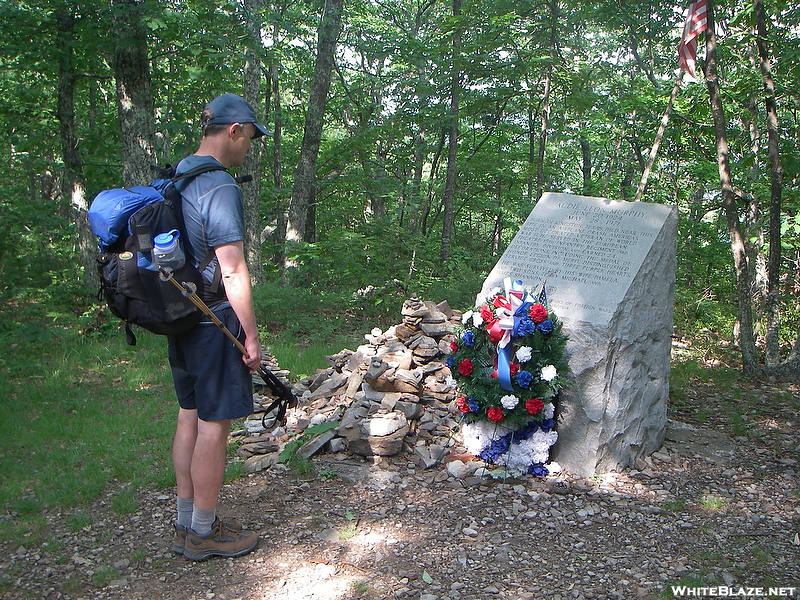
x=718, y=506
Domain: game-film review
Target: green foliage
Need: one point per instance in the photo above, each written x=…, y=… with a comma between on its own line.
x=705, y=294
x=87, y=406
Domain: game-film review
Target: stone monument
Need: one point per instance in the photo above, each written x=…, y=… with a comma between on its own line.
x=609, y=268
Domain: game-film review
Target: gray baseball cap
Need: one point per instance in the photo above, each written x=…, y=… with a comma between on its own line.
x=230, y=108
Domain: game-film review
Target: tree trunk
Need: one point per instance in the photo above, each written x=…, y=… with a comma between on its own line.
x=611, y=161
x=134, y=95
x=776, y=187
x=298, y=228
x=753, y=227
x=420, y=152
x=743, y=282
x=531, y=150
x=277, y=126
x=420, y=139
x=73, y=184
x=277, y=157
x=253, y=159
x=497, y=232
x=586, y=166
x=554, y=10
x=651, y=159
x=426, y=207
x=452, y=149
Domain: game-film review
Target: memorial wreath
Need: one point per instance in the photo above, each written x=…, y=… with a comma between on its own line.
x=508, y=363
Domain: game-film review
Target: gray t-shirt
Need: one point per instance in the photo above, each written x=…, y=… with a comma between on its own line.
x=213, y=211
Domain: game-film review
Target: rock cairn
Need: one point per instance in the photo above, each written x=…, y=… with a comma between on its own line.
x=392, y=394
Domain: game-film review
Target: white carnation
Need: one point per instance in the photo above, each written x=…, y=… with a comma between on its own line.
x=535, y=449
x=466, y=317
x=478, y=435
x=477, y=319
x=509, y=402
x=524, y=354
x=549, y=373
x=451, y=382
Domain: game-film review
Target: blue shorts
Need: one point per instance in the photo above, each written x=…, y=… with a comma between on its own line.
x=208, y=371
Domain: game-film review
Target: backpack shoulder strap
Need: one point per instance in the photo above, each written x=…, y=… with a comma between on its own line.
x=180, y=182
x=184, y=179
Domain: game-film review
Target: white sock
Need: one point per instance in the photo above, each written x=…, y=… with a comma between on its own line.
x=202, y=520
x=185, y=508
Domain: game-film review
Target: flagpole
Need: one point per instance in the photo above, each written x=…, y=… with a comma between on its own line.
x=659, y=136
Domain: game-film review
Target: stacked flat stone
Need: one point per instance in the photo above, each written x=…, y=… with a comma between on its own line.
x=392, y=394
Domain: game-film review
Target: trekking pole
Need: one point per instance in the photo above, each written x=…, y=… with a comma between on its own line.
x=189, y=290
x=284, y=396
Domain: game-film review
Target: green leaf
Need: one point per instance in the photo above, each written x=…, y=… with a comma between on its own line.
x=349, y=515
x=289, y=450
x=427, y=578
x=321, y=427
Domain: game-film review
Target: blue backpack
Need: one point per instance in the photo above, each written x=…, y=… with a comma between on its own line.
x=126, y=222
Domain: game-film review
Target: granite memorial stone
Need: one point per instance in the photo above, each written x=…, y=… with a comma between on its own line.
x=609, y=268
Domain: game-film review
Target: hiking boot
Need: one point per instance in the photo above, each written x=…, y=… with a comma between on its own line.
x=179, y=539
x=220, y=541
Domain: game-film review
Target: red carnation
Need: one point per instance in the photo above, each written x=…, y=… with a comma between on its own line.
x=534, y=406
x=453, y=347
x=495, y=414
x=462, y=404
x=514, y=368
x=538, y=313
x=465, y=367
x=487, y=314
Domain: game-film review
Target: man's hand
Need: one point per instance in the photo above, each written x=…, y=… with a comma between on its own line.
x=253, y=358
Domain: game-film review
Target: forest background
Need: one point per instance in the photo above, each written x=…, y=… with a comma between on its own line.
x=411, y=140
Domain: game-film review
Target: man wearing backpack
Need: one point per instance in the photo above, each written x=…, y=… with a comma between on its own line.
x=212, y=379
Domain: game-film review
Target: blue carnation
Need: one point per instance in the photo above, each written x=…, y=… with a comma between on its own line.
x=527, y=432
x=538, y=470
x=546, y=326
x=496, y=449
x=473, y=406
x=524, y=379
x=468, y=337
x=548, y=425
x=525, y=327
x=451, y=362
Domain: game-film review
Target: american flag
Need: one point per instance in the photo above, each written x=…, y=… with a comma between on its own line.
x=696, y=24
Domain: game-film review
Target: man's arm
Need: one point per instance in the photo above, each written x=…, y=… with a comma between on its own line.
x=236, y=279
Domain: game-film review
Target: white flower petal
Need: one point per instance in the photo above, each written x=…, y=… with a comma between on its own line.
x=524, y=354
x=549, y=373
x=509, y=402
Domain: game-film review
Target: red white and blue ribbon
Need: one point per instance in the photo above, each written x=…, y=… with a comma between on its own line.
x=509, y=311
